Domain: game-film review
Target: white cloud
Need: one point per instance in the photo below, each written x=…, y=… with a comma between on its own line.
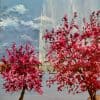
x=10, y=21
x=30, y=24
x=18, y=8
x=3, y=45
x=43, y=19
x=14, y=21
x=26, y=37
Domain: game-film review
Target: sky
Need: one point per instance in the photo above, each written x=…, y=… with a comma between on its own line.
x=17, y=22
x=34, y=6
x=17, y=17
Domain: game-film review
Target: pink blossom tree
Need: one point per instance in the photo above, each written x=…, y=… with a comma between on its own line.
x=23, y=71
x=74, y=53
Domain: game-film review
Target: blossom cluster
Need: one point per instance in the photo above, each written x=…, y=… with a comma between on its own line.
x=22, y=69
x=74, y=52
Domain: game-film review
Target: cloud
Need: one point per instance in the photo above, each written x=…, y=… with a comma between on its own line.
x=2, y=45
x=18, y=8
x=10, y=21
x=26, y=37
x=43, y=19
x=5, y=44
x=30, y=24
x=15, y=22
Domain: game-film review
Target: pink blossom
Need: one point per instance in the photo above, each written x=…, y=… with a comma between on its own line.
x=23, y=69
x=76, y=56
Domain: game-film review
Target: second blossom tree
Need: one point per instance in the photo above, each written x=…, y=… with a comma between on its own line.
x=74, y=53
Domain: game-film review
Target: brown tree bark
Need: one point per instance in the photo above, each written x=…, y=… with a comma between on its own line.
x=97, y=97
x=92, y=95
x=22, y=94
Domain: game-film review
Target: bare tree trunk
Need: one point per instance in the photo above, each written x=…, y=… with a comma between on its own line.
x=22, y=94
x=92, y=95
